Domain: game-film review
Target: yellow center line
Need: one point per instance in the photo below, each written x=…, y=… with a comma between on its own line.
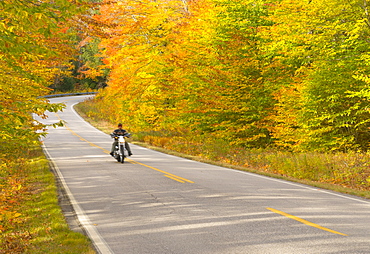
x=169, y=175
x=173, y=178
x=304, y=221
x=166, y=173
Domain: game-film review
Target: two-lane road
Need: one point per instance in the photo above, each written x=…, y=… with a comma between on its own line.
x=157, y=203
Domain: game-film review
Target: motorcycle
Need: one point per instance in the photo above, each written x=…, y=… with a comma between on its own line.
x=120, y=152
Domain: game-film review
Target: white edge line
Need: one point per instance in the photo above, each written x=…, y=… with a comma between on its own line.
x=84, y=220
x=271, y=178
x=75, y=112
x=304, y=186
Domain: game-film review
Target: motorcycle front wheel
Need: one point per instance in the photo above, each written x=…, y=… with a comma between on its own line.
x=122, y=154
x=117, y=157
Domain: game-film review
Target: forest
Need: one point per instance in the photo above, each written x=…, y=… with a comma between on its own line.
x=287, y=74
x=278, y=85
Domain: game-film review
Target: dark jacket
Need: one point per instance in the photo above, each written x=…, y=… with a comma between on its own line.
x=119, y=132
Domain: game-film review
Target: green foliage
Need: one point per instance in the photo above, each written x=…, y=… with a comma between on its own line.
x=82, y=75
x=319, y=105
x=35, y=47
x=289, y=74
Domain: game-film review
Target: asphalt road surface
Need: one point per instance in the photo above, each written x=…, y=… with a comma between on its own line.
x=157, y=203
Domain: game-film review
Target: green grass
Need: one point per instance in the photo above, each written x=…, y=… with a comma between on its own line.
x=34, y=222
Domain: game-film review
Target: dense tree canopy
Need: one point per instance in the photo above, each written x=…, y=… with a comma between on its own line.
x=323, y=44
x=37, y=43
x=286, y=73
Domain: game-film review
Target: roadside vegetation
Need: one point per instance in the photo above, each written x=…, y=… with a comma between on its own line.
x=31, y=220
x=342, y=172
x=38, y=46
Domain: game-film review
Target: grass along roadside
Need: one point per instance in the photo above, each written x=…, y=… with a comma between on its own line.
x=347, y=173
x=30, y=216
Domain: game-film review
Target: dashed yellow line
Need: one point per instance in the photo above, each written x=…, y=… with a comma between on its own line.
x=169, y=175
x=304, y=221
x=172, y=176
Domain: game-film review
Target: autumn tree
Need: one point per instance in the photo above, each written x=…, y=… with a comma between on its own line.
x=256, y=73
x=322, y=42
x=187, y=65
x=36, y=46
x=138, y=46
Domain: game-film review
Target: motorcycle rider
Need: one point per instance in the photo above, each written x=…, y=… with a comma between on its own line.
x=120, y=132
